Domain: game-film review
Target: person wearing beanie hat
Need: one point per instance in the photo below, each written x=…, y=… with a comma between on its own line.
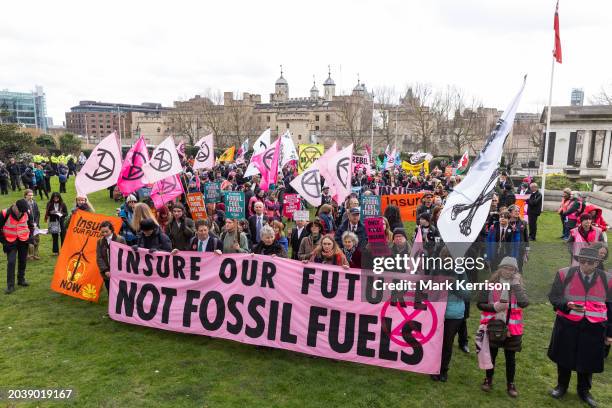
x=583, y=236
x=426, y=204
x=126, y=212
x=429, y=234
x=400, y=245
x=152, y=238
x=504, y=307
x=16, y=231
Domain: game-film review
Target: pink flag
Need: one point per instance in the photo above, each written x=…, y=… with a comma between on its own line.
x=131, y=177
x=337, y=171
x=166, y=190
x=267, y=163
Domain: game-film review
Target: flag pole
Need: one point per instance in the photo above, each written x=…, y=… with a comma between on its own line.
x=545, y=161
x=372, y=133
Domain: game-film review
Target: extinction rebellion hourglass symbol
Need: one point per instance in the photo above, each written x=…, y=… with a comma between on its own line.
x=106, y=165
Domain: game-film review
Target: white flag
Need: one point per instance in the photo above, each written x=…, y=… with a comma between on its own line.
x=467, y=207
x=164, y=162
x=261, y=144
x=202, y=140
x=205, y=159
x=308, y=183
x=102, y=168
x=288, y=153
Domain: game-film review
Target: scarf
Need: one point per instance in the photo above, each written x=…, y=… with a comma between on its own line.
x=349, y=253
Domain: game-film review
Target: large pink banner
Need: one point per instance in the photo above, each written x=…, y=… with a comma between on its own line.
x=268, y=301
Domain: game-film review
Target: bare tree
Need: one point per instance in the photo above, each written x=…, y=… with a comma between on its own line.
x=422, y=104
x=239, y=119
x=463, y=125
x=350, y=112
x=183, y=121
x=210, y=114
x=604, y=97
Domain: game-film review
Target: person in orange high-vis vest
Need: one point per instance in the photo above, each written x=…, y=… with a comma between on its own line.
x=506, y=305
x=16, y=232
x=584, y=235
x=583, y=324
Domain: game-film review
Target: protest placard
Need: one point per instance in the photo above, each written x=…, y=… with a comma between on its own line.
x=234, y=204
x=196, y=206
x=291, y=203
x=212, y=192
x=76, y=270
x=301, y=215
x=370, y=206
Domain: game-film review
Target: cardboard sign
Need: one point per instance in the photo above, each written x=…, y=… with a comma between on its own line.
x=370, y=206
x=212, y=192
x=291, y=203
x=301, y=215
x=196, y=206
x=234, y=204
x=407, y=204
x=363, y=163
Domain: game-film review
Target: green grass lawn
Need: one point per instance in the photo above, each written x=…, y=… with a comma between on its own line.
x=48, y=340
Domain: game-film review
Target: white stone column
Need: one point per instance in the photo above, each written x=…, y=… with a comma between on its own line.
x=586, y=149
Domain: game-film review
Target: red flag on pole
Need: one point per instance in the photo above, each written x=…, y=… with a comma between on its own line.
x=557, y=50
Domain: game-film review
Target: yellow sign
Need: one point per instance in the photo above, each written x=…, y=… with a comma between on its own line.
x=308, y=154
x=415, y=169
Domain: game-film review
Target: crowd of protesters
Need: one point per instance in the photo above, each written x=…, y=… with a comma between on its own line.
x=336, y=235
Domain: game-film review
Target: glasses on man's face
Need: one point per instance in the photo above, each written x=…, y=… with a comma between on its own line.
x=587, y=261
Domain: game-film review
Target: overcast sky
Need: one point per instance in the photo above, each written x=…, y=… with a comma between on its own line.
x=162, y=51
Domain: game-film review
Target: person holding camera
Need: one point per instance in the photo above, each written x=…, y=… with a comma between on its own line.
x=583, y=323
x=502, y=313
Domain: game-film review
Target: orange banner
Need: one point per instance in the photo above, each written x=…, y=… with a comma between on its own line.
x=407, y=204
x=196, y=206
x=76, y=270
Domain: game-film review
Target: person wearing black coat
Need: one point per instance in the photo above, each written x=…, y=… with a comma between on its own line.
x=248, y=194
x=268, y=245
x=4, y=179
x=152, y=238
x=56, y=213
x=28, y=177
x=426, y=205
x=352, y=224
x=534, y=209
x=298, y=233
x=49, y=172
x=15, y=174
x=103, y=249
x=579, y=345
x=507, y=197
x=204, y=241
